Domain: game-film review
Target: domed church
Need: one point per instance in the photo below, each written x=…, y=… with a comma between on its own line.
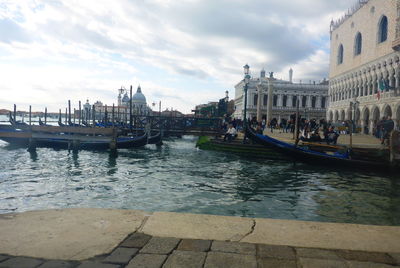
x=139, y=104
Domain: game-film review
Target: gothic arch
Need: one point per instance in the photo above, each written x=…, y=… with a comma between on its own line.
x=376, y=115
x=330, y=116
x=386, y=110
x=340, y=54
x=358, y=44
x=342, y=115
x=382, y=29
x=336, y=116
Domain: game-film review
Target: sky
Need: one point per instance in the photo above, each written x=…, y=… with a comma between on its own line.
x=181, y=52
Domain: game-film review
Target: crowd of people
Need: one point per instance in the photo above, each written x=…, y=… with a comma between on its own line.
x=310, y=130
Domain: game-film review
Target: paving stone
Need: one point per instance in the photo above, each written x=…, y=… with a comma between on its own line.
x=361, y=264
x=321, y=263
x=160, y=245
x=90, y=264
x=366, y=256
x=185, y=259
x=276, y=263
x=136, y=240
x=396, y=257
x=194, y=245
x=121, y=255
x=147, y=261
x=4, y=257
x=277, y=252
x=21, y=262
x=58, y=264
x=234, y=247
x=316, y=253
x=229, y=260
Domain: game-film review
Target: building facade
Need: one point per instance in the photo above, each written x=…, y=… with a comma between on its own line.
x=364, y=64
x=312, y=98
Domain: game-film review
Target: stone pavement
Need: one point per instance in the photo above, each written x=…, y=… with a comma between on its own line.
x=110, y=238
x=145, y=251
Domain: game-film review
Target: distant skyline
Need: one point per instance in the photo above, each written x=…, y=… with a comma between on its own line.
x=182, y=53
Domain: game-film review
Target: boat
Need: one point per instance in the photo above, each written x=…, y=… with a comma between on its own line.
x=237, y=146
x=69, y=137
x=156, y=139
x=325, y=157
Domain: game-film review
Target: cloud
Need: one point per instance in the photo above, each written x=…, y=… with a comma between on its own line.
x=102, y=45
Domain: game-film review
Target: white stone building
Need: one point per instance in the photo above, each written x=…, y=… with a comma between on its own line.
x=139, y=104
x=364, y=64
x=312, y=98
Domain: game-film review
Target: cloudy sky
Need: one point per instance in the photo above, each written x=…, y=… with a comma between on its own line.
x=182, y=52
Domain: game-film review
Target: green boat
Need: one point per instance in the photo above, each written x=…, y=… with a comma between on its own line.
x=238, y=147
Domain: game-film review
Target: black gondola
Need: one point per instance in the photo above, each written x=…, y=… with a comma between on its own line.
x=67, y=141
x=304, y=154
x=156, y=139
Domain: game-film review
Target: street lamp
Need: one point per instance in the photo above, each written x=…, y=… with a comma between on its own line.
x=246, y=84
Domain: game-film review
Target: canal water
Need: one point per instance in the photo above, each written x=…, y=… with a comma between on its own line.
x=180, y=178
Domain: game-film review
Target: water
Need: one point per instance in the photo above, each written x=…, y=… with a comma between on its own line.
x=180, y=178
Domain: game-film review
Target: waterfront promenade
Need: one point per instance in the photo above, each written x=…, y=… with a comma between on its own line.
x=358, y=140
x=108, y=238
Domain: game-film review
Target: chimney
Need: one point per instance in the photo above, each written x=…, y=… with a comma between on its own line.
x=291, y=75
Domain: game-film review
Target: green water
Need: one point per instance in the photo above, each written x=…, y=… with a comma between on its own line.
x=180, y=178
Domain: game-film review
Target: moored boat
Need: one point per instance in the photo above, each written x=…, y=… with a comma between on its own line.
x=325, y=157
x=238, y=147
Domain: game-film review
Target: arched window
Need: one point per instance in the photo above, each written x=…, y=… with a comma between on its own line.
x=323, y=102
x=255, y=99
x=340, y=54
x=265, y=100
x=313, y=101
x=294, y=101
x=275, y=100
x=358, y=44
x=383, y=29
x=304, y=101
x=284, y=101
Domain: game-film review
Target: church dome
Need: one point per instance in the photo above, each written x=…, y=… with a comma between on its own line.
x=139, y=97
x=125, y=98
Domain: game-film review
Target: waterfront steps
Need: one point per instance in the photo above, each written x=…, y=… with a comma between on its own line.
x=86, y=237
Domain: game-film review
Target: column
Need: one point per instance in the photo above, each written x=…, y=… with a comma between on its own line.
x=290, y=101
x=308, y=103
x=270, y=97
x=318, y=102
x=259, y=104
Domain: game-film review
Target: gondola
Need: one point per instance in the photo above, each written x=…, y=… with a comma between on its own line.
x=66, y=141
x=304, y=154
x=156, y=139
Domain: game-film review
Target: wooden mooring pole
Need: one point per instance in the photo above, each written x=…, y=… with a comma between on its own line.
x=30, y=115
x=94, y=115
x=112, y=115
x=45, y=115
x=130, y=108
x=80, y=113
x=69, y=111
x=15, y=113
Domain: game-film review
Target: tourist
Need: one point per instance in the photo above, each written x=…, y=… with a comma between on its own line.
x=230, y=134
x=387, y=128
x=331, y=135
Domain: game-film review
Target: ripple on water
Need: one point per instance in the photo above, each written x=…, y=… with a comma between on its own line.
x=178, y=177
